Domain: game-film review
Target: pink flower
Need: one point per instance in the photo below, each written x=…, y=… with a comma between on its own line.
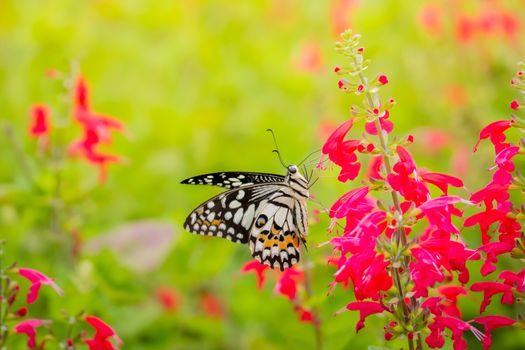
x=365, y=308
x=103, y=332
x=37, y=279
x=489, y=289
x=29, y=328
x=491, y=323
x=40, y=121
x=258, y=269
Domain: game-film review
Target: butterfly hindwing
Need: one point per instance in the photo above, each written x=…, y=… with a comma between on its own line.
x=233, y=179
x=275, y=236
x=230, y=214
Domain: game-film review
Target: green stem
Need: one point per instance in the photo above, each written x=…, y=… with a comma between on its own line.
x=316, y=319
x=399, y=235
x=19, y=154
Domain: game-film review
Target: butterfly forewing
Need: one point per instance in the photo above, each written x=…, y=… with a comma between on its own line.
x=232, y=179
x=229, y=215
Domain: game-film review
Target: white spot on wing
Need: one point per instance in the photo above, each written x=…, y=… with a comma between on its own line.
x=240, y=195
x=234, y=204
x=247, y=219
x=228, y=215
x=238, y=216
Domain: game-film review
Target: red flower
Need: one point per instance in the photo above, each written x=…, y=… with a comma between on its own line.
x=29, y=328
x=103, y=332
x=513, y=279
x=514, y=104
x=365, y=308
x=305, y=315
x=342, y=152
x=40, y=121
x=168, y=298
x=496, y=132
x=457, y=326
x=491, y=323
x=442, y=181
x=96, y=130
x=451, y=294
x=385, y=124
x=347, y=202
x=503, y=158
x=493, y=249
x=374, y=168
x=489, y=289
x=211, y=305
x=37, y=279
x=382, y=79
x=258, y=269
x=287, y=283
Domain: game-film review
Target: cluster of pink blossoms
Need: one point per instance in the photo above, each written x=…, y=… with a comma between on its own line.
x=96, y=129
x=401, y=251
x=101, y=340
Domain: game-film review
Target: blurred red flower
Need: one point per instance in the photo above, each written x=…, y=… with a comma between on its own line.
x=211, y=305
x=96, y=131
x=168, y=298
x=103, y=332
x=258, y=269
x=37, y=279
x=29, y=328
x=40, y=125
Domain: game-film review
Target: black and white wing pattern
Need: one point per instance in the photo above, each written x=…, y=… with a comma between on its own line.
x=230, y=214
x=267, y=211
x=233, y=179
x=279, y=228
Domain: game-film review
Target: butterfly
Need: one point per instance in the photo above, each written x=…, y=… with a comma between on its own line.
x=266, y=211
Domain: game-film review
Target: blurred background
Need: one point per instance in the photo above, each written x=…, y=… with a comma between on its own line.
x=196, y=83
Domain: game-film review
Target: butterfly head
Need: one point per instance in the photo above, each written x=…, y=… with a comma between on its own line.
x=296, y=176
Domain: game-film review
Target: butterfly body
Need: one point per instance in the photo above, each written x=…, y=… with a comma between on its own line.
x=266, y=211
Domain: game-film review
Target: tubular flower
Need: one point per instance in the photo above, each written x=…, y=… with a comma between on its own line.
x=103, y=332
x=29, y=328
x=37, y=279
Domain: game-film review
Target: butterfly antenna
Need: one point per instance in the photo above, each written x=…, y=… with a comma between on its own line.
x=276, y=150
x=309, y=155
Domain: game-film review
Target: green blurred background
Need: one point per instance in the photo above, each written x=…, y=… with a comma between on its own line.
x=196, y=84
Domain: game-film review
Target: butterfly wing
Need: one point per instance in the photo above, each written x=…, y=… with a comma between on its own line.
x=278, y=230
x=233, y=179
x=230, y=214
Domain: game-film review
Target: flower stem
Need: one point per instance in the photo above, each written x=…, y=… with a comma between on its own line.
x=399, y=235
x=315, y=312
x=3, y=300
x=17, y=149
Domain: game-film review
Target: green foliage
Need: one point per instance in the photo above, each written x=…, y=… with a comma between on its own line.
x=196, y=84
